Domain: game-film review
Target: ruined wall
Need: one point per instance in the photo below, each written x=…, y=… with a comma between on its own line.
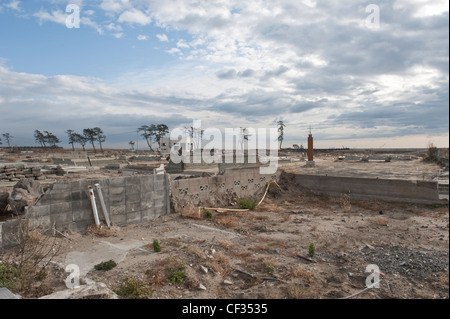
x=219, y=190
x=128, y=200
x=370, y=188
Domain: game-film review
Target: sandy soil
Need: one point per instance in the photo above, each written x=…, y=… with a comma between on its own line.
x=255, y=254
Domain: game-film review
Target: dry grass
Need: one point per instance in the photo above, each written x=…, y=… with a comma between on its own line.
x=158, y=278
x=286, y=217
x=301, y=273
x=227, y=221
x=382, y=221
x=192, y=250
x=220, y=264
x=225, y=244
x=345, y=203
x=103, y=231
x=313, y=228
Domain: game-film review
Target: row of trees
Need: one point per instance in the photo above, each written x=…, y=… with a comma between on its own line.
x=152, y=134
x=89, y=135
x=7, y=138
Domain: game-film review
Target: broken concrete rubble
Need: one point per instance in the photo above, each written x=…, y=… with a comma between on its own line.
x=25, y=193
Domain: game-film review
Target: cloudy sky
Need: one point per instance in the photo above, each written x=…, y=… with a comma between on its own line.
x=360, y=73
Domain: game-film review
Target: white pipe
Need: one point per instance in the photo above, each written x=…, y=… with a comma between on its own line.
x=94, y=206
x=102, y=202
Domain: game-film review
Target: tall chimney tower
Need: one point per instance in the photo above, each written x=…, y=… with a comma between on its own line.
x=310, y=162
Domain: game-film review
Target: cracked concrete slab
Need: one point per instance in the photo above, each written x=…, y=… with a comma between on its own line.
x=104, y=251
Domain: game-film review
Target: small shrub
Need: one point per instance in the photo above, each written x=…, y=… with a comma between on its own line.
x=177, y=275
x=156, y=246
x=270, y=269
x=8, y=277
x=247, y=203
x=134, y=289
x=106, y=265
x=208, y=214
x=312, y=250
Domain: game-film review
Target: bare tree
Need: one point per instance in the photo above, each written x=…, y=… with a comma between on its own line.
x=281, y=127
x=8, y=139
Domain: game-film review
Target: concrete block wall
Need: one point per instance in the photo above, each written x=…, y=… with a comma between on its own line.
x=67, y=205
x=371, y=188
x=220, y=189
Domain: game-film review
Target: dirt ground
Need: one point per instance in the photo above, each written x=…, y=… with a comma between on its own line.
x=255, y=254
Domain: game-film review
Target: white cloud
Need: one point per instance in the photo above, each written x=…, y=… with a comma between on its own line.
x=118, y=35
x=14, y=5
x=162, y=37
x=114, y=27
x=174, y=51
x=142, y=37
x=134, y=16
x=114, y=5
x=60, y=17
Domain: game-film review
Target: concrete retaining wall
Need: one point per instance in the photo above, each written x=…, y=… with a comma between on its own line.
x=370, y=188
x=128, y=200
x=220, y=189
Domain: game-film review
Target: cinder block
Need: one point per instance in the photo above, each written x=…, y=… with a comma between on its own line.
x=117, y=200
x=80, y=226
x=61, y=188
x=117, y=182
x=133, y=198
x=83, y=215
x=132, y=181
x=10, y=230
x=38, y=211
x=147, y=215
x=81, y=205
x=61, y=219
x=61, y=208
x=133, y=207
x=118, y=219
x=133, y=218
x=117, y=210
x=61, y=197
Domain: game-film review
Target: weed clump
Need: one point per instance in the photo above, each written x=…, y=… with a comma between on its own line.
x=156, y=246
x=134, y=289
x=312, y=250
x=177, y=274
x=8, y=277
x=106, y=265
x=247, y=203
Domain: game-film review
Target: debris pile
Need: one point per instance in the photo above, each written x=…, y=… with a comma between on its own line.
x=15, y=172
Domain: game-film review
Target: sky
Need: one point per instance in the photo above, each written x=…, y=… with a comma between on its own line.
x=370, y=74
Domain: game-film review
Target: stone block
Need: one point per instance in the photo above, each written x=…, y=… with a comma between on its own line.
x=132, y=218
x=133, y=207
x=61, y=208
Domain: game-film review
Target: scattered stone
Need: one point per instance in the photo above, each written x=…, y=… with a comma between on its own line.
x=201, y=287
x=227, y=282
x=204, y=269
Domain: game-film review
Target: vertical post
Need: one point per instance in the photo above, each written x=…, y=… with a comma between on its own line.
x=94, y=206
x=167, y=192
x=102, y=202
x=310, y=162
